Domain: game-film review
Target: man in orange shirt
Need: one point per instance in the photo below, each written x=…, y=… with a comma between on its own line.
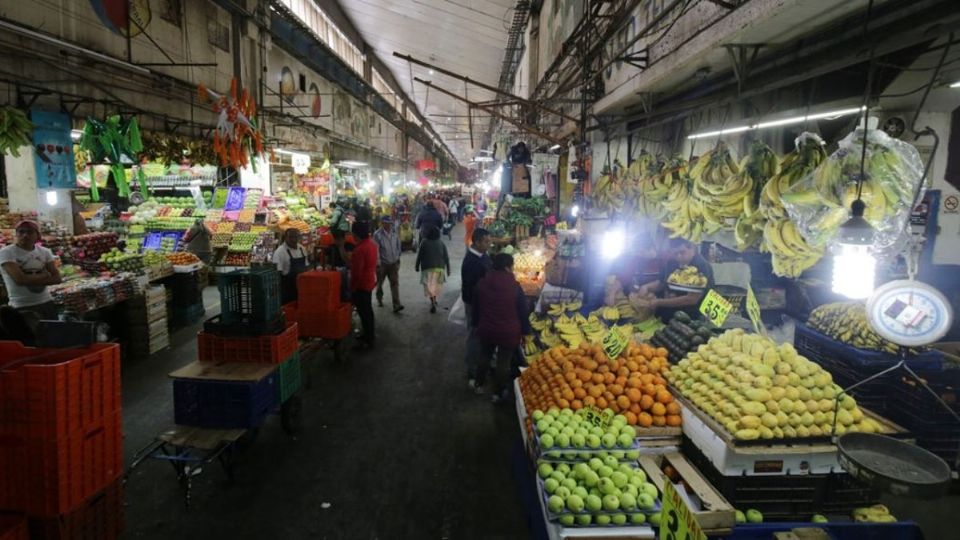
x=469, y=224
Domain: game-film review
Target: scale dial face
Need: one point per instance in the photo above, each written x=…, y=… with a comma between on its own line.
x=909, y=313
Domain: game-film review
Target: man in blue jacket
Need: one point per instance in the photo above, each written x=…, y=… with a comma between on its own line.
x=475, y=265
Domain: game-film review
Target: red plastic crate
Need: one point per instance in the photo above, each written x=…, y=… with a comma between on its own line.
x=290, y=311
x=54, y=393
x=46, y=478
x=100, y=517
x=318, y=291
x=334, y=324
x=269, y=349
x=13, y=527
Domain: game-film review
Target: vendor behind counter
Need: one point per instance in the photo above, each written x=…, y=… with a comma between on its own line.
x=680, y=253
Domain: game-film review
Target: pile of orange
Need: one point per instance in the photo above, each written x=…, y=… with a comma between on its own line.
x=631, y=385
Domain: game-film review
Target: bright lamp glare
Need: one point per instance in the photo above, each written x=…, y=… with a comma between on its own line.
x=955, y=85
x=574, y=210
x=854, y=271
x=612, y=244
x=51, y=197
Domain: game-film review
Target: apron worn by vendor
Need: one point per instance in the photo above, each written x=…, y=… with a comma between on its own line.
x=288, y=282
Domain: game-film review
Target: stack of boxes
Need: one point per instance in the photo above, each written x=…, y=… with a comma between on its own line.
x=147, y=331
x=320, y=312
x=248, y=357
x=186, y=299
x=61, y=454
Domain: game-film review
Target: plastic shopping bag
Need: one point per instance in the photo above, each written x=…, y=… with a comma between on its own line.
x=458, y=313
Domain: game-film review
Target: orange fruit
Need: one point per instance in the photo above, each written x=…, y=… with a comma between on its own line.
x=597, y=378
x=570, y=376
x=634, y=395
x=650, y=390
x=563, y=404
x=646, y=402
x=635, y=408
x=595, y=391
x=644, y=419
x=661, y=351
x=579, y=393
x=673, y=420
x=631, y=418
x=623, y=402
x=615, y=389
x=663, y=396
x=576, y=404
x=658, y=409
x=602, y=403
x=568, y=394
x=673, y=408
x=659, y=421
x=589, y=400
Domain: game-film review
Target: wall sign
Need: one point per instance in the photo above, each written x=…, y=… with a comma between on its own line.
x=951, y=205
x=53, y=150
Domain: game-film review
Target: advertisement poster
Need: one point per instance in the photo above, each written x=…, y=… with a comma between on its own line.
x=53, y=150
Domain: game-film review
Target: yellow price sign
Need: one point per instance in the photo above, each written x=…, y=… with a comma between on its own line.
x=598, y=418
x=753, y=310
x=715, y=307
x=677, y=522
x=614, y=342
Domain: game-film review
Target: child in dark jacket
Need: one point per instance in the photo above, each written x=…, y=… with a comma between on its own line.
x=500, y=315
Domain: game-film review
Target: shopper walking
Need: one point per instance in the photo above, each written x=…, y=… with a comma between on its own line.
x=291, y=261
x=469, y=224
x=500, y=313
x=363, y=279
x=475, y=265
x=428, y=217
x=388, y=267
x=432, y=261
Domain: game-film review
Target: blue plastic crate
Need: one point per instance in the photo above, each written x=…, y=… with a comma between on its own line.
x=152, y=242
x=821, y=348
x=224, y=404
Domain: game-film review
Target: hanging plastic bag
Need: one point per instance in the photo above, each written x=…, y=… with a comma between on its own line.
x=820, y=203
x=458, y=313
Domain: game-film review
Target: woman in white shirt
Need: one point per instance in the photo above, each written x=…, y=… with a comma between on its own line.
x=291, y=261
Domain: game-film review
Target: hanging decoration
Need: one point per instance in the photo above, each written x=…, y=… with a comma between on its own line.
x=116, y=142
x=237, y=139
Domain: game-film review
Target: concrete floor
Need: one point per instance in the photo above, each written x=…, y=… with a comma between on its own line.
x=393, y=444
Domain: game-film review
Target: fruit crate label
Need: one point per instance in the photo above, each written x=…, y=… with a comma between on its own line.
x=753, y=310
x=614, y=342
x=598, y=418
x=677, y=522
x=715, y=307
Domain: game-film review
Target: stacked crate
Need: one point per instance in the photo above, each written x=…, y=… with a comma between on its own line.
x=60, y=438
x=186, y=299
x=320, y=313
x=147, y=331
x=248, y=360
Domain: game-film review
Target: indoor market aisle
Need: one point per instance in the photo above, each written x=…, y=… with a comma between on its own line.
x=393, y=444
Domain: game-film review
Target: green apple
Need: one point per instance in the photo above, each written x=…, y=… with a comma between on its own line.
x=575, y=503
x=619, y=420
x=628, y=430
x=625, y=469
x=584, y=520
x=559, y=476
x=625, y=440
x=593, y=440
x=555, y=503
x=645, y=501
x=593, y=503
x=552, y=431
x=611, y=503
x=609, y=440
x=605, y=471
x=739, y=517
x=578, y=470
x=655, y=519
x=569, y=483
x=544, y=425
x=551, y=485
x=584, y=455
x=591, y=478
x=633, y=454
x=570, y=455
x=819, y=518
x=619, y=519
x=754, y=516
x=619, y=479
x=562, y=492
x=580, y=491
x=567, y=519
x=595, y=463
x=546, y=441
x=578, y=440
x=566, y=413
x=619, y=455
x=628, y=501
x=631, y=489
x=554, y=412
x=555, y=454
x=606, y=486
x=601, y=519
x=638, y=519
x=545, y=470
x=563, y=440
x=611, y=461
x=568, y=431
x=537, y=415
x=650, y=489
x=597, y=431
x=563, y=468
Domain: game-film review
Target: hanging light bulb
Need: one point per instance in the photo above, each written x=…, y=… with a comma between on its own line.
x=51, y=197
x=854, y=266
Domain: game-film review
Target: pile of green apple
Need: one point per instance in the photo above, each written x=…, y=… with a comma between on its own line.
x=757, y=389
x=601, y=491
x=754, y=516
x=119, y=261
x=563, y=433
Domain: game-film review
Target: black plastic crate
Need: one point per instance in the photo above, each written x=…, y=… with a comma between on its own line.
x=224, y=404
x=183, y=316
x=244, y=327
x=249, y=296
x=184, y=289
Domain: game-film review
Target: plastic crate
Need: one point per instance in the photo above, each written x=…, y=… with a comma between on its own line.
x=330, y=325
x=45, y=478
x=249, y=296
x=319, y=291
x=13, y=527
x=288, y=378
x=822, y=348
x=934, y=428
x=100, y=517
x=185, y=316
x=216, y=325
x=268, y=349
x=290, y=311
x=49, y=394
x=223, y=404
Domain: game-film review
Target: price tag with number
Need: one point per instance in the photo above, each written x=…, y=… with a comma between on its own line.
x=614, y=342
x=598, y=418
x=677, y=522
x=715, y=307
x=753, y=310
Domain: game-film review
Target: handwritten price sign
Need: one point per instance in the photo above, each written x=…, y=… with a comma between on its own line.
x=614, y=342
x=599, y=419
x=677, y=522
x=715, y=307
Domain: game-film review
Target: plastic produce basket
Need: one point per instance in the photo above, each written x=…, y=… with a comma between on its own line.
x=249, y=296
x=288, y=375
x=223, y=404
x=267, y=349
x=216, y=325
x=319, y=290
x=100, y=517
x=290, y=311
x=13, y=527
x=330, y=325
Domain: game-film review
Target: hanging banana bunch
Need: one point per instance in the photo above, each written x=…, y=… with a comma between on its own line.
x=608, y=195
x=672, y=187
x=760, y=165
x=805, y=158
x=719, y=188
x=15, y=130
